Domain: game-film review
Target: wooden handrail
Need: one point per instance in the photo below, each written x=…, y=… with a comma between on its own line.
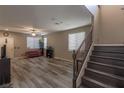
x=84, y=41
x=75, y=56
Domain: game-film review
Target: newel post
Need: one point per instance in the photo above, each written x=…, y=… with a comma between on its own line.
x=74, y=68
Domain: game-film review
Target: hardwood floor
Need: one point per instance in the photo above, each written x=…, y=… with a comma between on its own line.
x=41, y=72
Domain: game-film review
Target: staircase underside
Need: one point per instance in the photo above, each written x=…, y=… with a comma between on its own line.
x=105, y=69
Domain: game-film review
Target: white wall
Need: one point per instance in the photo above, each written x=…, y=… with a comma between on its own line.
x=59, y=41
x=111, y=25
x=19, y=42
x=95, y=11
x=9, y=46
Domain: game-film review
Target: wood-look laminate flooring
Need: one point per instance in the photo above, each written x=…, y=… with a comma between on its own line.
x=41, y=72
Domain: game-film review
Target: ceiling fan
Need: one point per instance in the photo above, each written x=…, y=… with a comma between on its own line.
x=33, y=32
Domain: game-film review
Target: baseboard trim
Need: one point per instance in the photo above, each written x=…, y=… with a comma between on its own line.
x=21, y=57
x=62, y=59
x=108, y=44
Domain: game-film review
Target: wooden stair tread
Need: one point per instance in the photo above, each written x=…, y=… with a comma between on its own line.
x=108, y=46
x=119, y=52
x=107, y=74
x=105, y=67
x=108, y=65
x=113, y=58
x=97, y=82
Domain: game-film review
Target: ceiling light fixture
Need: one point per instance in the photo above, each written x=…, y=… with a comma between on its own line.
x=58, y=23
x=33, y=33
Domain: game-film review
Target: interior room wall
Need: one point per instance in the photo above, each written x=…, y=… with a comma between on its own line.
x=20, y=43
x=111, y=25
x=59, y=41
x=96, y=28
x=9, y=46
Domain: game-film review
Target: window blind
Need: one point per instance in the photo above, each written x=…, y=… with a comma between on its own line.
x=75, y=40
x=33, y=42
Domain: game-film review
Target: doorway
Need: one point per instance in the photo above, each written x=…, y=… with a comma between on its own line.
x=9, y=46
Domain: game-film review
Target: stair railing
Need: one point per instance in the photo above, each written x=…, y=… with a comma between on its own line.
x=80, y=55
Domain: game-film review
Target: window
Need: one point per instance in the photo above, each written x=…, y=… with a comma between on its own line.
x=33, y=42
x=45, y=42
x=75, y=40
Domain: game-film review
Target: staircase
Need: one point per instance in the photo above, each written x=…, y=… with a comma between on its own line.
x=105, y=69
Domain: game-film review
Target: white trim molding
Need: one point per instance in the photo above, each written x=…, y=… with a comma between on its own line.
x=63, y=59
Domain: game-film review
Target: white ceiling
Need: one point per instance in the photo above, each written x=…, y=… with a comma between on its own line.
x=43, y=18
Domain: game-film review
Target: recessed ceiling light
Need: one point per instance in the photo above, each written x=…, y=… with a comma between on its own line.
x=58, y=23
